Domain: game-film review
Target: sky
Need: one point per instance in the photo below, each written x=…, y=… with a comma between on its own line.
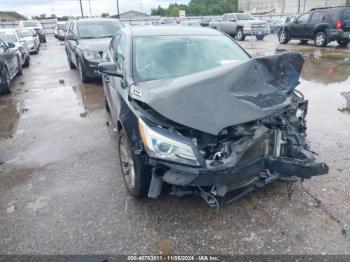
x=72, y=7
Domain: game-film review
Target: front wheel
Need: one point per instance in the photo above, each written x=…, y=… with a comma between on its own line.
x=320, y=39
x=283, y=37
x=240, y=35
x=27, y=62
x=5, y=85
x=135, y=172
x=20, y=69
x=343, y=42
x=82, y=74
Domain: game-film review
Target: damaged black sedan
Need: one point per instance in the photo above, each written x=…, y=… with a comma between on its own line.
x=195, y=111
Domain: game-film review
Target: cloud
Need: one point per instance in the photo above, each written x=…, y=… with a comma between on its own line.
x=72, y=7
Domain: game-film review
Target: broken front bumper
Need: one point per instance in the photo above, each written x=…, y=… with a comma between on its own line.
x=243, y=175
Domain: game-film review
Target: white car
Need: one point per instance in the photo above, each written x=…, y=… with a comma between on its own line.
x=11, y=36
x=31, y=38
x=34, y=24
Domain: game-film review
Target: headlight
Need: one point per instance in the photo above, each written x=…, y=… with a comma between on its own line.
x=160, y=146
x=91, y=55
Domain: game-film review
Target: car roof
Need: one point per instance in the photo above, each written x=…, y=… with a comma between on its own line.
x=171, y=30
x=89, y=20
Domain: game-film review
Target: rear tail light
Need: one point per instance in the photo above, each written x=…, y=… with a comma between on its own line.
x=339, y=25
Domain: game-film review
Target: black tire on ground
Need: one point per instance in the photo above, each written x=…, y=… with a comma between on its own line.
x=20, y=69
x=260, y=37
x=303, y=42
x=320, y=39
x=5, y=85
x=70, y=63
x=44, y=41
x=240, y=35
x=107, y=105
x=343, y=42
x=83, y=77
x=136, y=174
x=37, y=51
x=283, y=37
x=27, y=62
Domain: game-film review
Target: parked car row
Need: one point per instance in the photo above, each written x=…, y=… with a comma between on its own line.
x=16, y=46
x=322, y=25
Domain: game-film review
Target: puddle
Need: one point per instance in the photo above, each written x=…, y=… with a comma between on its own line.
x=165, y=247
x=326, y=70
x=9, y=114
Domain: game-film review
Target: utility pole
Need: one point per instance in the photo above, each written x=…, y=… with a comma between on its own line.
x=298, y=6
x=118, y=9
x=90, y=8
x=81, y=8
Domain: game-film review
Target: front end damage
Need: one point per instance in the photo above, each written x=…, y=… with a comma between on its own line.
x=243, y=156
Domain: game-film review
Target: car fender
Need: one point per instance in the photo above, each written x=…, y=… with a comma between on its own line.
x=321, y=27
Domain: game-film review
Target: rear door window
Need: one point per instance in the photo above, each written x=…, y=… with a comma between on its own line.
x=316, y=17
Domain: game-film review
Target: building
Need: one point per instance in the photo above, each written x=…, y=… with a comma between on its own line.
x=11, y=16
x=131, y=15
x=284, y=6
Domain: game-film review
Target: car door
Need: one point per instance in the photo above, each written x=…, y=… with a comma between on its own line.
x=72, y=44
x=224, y=23
x=116, y=83
x=10, y=58
x=298, y=27
x=315, y=18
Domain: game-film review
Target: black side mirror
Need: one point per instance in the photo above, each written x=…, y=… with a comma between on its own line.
x=10, y=45
x=109, y=68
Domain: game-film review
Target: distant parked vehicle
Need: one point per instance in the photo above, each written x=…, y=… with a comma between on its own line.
x=31, y=38
x=168, y=21
x=10, y=65
x=58, y=30
x=190, y=23
x=240, y=25
x=276, y=22
x=214, y=23
x=86, y=41
x=11, y=36
x=34, y=24
x=205, y=21
x=322, y=25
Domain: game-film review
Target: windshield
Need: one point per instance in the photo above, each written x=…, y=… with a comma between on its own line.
x=29, y=23
x=8, y=37
x=26, y=33
x=97, y=30
x=244, y=17
x=159, y=57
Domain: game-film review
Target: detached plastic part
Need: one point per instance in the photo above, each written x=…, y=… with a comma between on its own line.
x=155, y=187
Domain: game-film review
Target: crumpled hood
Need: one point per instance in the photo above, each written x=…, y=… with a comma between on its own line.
x=96, y=44
x=233, y=94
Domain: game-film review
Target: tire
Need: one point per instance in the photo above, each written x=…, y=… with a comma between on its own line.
x=343, y=42
x=135, y=173
x=240, y=35
x=70, y=63
x=44, y=41
x=107, y=105
x=260, y=37
x=20, y=69
x=82, y=74
x=303, y=42
x=320, y=39
x=37, y=51
x=27, y=62
x=283, y=37
x=5, y=87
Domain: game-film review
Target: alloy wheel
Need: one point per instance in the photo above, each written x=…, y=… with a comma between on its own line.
x=127, y=163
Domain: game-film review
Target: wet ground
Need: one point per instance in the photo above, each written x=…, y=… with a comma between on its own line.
x=61, y=190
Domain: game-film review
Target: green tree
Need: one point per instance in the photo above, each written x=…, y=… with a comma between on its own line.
x=104, y=14
x=347, y=2
x=199, y=7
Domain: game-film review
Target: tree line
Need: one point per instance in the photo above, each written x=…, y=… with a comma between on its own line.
x=198, y=7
